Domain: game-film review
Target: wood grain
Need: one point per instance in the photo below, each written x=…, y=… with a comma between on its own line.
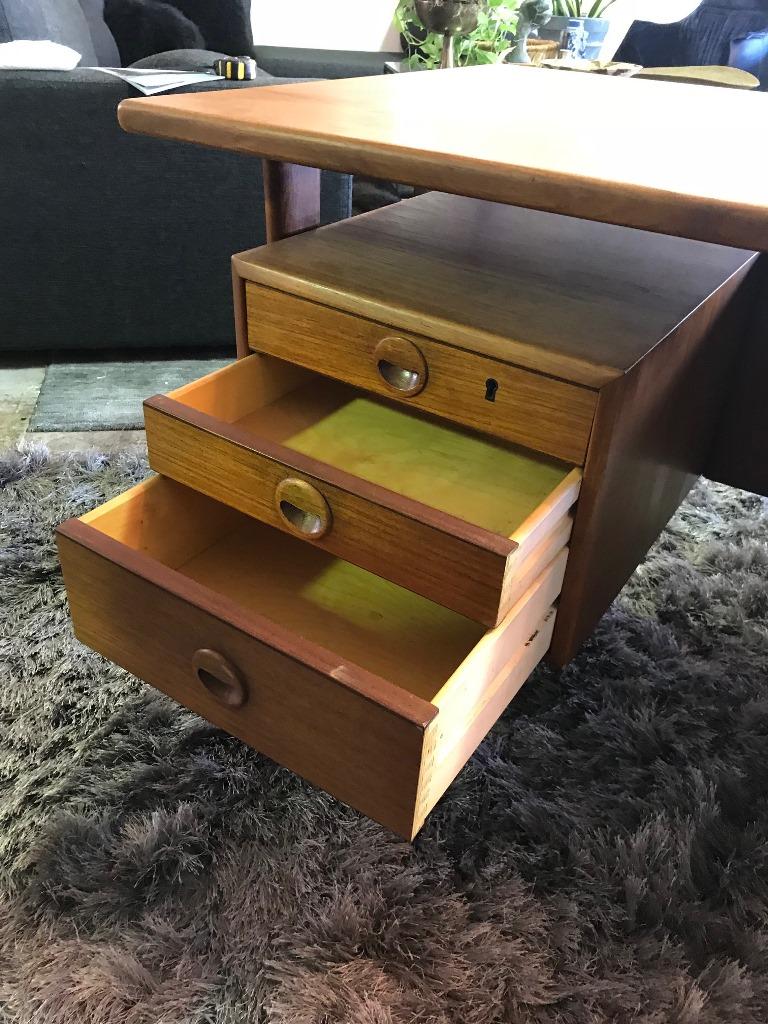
x=657, y=165
x=559, y=296
x=291, y=199
x=653, y=433
x=530, y=409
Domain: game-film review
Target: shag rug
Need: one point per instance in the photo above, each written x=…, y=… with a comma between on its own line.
x=603, y=858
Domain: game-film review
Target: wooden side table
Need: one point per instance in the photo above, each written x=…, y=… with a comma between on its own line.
x=456, y=425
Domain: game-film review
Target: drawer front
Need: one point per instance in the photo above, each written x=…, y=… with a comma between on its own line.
x=301, y=715
x=438, y=556
x=494, y=397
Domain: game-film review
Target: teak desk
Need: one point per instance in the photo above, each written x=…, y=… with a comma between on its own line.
x=455, y=425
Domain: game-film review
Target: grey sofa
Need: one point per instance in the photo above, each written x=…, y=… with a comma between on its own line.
x=117, y=241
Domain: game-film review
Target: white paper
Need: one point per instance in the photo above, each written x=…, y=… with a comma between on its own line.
x=151, y=81
x=37, y=55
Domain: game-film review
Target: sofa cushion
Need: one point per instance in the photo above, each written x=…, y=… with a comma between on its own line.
x=107, y=54
x=181, y=60
x=144, y=27
x=750, y=53
x=201, y=60
x=709, y=30
x=225, y=25
x=60, y=21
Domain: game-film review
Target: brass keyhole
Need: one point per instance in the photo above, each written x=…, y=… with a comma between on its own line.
x=491, y=387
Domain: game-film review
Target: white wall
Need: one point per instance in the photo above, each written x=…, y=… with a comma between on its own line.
x=367, y=24
x=326, y=24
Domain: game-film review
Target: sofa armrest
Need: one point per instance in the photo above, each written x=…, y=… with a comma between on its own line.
x=287, y=62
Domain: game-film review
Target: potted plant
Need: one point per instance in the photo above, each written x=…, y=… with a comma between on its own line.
x=439, y=33
x=595, y=25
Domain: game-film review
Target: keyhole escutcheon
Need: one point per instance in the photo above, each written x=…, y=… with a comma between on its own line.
x=491, y=387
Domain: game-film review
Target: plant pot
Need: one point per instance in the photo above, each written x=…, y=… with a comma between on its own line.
x=457, y=17
x=596, y=29
x=449, y=18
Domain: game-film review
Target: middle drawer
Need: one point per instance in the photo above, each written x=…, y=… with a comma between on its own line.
x=461, y=519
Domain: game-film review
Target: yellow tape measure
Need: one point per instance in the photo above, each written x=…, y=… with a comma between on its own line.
x=236, y=69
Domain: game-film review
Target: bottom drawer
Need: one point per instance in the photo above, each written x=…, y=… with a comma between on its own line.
x=372, y=692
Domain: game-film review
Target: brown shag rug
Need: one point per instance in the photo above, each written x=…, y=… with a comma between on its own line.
x=603, y=858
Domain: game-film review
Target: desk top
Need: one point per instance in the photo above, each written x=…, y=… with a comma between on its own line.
x=679, y=159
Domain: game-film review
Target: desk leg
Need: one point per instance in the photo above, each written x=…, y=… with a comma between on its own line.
x=739, y=455
x=291, y=199
x=291, y=205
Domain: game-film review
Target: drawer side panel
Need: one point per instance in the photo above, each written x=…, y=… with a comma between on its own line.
x=455, y=734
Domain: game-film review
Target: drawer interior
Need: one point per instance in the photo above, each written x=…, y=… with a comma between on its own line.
x=491, y=484
x=362, y=618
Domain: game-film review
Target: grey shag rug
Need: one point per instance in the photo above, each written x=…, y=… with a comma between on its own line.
x=603, y=858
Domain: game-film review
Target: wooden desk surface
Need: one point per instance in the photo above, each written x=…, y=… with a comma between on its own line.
x=679, y=159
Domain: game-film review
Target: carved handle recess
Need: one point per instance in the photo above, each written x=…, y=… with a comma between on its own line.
x=219, y=677
x=302, y=508
x=401, y=365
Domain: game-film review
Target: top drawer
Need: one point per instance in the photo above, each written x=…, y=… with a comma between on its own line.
x=483, y=393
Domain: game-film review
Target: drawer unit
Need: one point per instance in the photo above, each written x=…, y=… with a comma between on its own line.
x=456, y=517
x=347, y=562
x=498, y=398
x=366, y=689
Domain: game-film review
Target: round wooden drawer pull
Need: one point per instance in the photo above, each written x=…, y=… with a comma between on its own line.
x=302, y=508
x=220, y=678
x=401, y=365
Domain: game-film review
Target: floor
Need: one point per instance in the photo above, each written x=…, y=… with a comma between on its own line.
x=20, y=385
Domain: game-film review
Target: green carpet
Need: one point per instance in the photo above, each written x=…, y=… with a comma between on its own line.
x=108, y=395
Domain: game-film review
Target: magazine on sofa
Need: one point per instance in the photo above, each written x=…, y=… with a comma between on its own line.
x=151, y=81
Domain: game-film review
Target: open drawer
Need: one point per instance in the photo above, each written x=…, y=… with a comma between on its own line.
x=462, y=519
x=373, y=693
